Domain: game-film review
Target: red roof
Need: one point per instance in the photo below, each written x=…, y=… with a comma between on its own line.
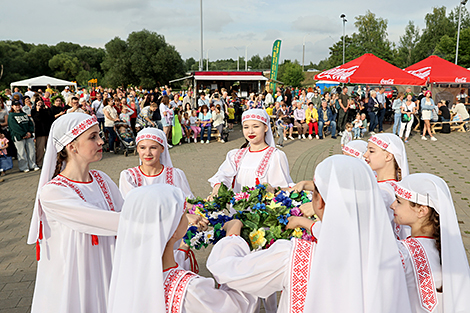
x=437, y=70
x=369, y=69
x=228, y=73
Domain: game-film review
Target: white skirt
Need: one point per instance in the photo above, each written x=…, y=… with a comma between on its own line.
x=426, y=115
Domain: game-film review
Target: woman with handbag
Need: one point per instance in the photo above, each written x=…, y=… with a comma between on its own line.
x=427, y=108
x=5, y=160
x=43, y=120
x=408, y=110
x=372, y=109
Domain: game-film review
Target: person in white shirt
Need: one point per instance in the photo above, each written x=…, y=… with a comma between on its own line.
x=97, y=107
x=434, y=258
x=29, y=93
x=75, y=221
x=146, y=276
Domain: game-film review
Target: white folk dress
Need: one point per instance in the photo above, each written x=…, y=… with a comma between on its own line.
x=77, y=247
x=388, y=195
x=285, y=266
x=423, y=271
x=186, y=292
x=243, y=167
x=134, y=177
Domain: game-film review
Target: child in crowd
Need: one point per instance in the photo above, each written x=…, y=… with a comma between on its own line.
x=3, y=150
x=146, y=276
x=269, y=109
x=433, y=257
x=185, y=127
x=125, y=115
x=231, y=117
x=287, y=120
x=347, y=135
x=364, y=124
x=281, y=129
x=357, y=125
x=126, y=133
x=194, y=123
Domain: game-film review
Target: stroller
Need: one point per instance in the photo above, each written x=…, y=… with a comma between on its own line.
x=126, y=137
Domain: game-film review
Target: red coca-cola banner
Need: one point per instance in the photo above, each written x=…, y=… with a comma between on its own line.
x=437, y=70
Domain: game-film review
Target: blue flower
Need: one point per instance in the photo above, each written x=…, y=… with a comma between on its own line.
x=283, y=219
x=260, y=186
x=259, y=206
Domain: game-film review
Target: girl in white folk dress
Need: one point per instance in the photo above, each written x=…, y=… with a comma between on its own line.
x=353, y=267
x=259, y=162
x=156, y=166
x=146, y=277
x=386, y=155
x=434, y=258
x=75, y=221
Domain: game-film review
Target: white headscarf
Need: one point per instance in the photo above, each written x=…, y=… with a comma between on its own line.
x=149, y=217
x=356, y=148
x=430, y=190
x=158, y=136
x=395, y=146
x=356, y=266
x=263, y=117
x=63, y=131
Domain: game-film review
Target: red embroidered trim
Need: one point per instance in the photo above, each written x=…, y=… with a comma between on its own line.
x=136, y=176
x=239, y=156
x=249, y=149
x=405, y=194
x=264, y=162
x=104, y=188
x=175, y=286
x=352, y=151
x=300, y=274
x=80, y=128
x=169, y=176
x=254, y=117
x=379, y=142
x=151, y=137
x=61, y=181
x=402, y=260
x=425, y=282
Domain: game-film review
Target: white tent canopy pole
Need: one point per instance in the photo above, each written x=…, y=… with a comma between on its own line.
x=42, y=81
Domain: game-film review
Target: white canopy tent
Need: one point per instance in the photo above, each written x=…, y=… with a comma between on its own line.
x=43, y=81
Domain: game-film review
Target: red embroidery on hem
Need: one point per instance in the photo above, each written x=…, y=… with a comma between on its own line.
x=300, y=274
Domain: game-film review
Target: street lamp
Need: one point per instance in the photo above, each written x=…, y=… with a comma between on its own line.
x=246, y=57
x=303, y=52
x=343, y=16
x=463, y=2
x=201, y=60
x=238, y=59
x=207, y=62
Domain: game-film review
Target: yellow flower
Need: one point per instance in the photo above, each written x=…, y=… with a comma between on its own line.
x=257, y=238
x=198, y=212
x=297, y=232
x=274, y=205
x=269, y=196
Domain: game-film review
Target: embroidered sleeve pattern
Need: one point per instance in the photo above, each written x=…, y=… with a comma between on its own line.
x=239, y=156
x=425, y=282
x=300, y=274
x=175, y=286
x=261, y=170
x=104, y=188
x=136, y=176
x=169, y=176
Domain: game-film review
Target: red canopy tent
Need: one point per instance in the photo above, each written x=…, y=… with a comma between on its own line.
x=369, y=69
x=437, y=70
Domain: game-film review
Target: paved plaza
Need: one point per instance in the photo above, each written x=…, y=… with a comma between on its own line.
x=448, y=158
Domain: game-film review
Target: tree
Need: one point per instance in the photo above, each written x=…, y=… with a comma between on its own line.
x=188, y=64
x=65, y=66
x=266, y=62
x=116, y=64
x=291, y=74
x=255, y=62
x=352, y=51
x=446, y=48
x=406, y=54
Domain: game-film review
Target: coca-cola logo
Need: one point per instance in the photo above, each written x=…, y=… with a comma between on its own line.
x=422, y=72
x=338, y=73
x=389, y=81
x=461, y=80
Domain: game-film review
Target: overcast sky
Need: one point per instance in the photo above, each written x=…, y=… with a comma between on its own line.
x=227, y=24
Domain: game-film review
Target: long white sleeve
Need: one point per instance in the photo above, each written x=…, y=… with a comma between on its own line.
x=125, y=183
x=226, y=172
x=278, y=174
x=183, y=183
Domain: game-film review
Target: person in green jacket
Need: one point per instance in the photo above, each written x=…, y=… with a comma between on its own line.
x=22, y=133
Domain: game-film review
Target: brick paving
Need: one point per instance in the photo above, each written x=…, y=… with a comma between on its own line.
x=448, y=158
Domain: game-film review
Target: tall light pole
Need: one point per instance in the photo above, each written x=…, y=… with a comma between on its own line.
x=463, y=2
x=303, y=51
x=207, y=62
x=246, y=57
x=343, y=16
x=201, y=60
x=238, y=59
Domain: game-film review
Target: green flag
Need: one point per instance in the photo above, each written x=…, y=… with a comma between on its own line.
x=275, y=64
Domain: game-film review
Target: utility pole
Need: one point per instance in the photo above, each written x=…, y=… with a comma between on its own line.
x=343, y=16
x=238, y=59
x=207, y=63
x=201, y=60
x=463, y=2
x=303, y=52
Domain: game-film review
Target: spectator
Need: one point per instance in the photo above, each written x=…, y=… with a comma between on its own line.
x=126, y=114
x=19, y=94
x=202, y=101
x=373, y=108
x=218, y=120
x=445, y=116
x=189, y=99
x=397, y=104
x=316, y=99
x=310, y=94
x=43, y=120
x=27, y=105
x=462, y=97
x=427, y=108
x=194, y=123
x=357, y=125
x=300, y=121
x=22, y=129
x=460, y=109
x=346, y=137
x=66, y=92
x=166, y=112
x=185, y=127
x=97, y=107
x=57, y=109
x=29, y=93
x=343, y=100
x=382, y=99
x=75, y=106
x=47, y=99
x=407, y=110
x=231, y=117
x=144, y=119
x=279, y=97
x=303, y=97
x=206, y=123
x=325, y=118
x=281, y=129
x=175, y=102
x=269, y=109
x=287, y=120
x=364, y=124
x=288, y=97
x=49, y=89
x=4, y=154
x=110, y=116
x=277, y=107
x=269, y=98
x=311, y=115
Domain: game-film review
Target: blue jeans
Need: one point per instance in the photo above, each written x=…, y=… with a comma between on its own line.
x=209, y=129
x=380, y=117
x=101, y=122
x=357, y=132
x=332, y=127
x=372, y=121
x=111, y=137
x=396, y=123
x=26, y=154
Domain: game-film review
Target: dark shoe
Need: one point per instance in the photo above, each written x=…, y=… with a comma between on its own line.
x=321, y=137
x=333, y=137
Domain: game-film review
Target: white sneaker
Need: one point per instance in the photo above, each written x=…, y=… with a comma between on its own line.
x=195, y=140
x=285, y=138
x=170, y=146
x=300, y=137
x=291, y=138
x=433, y=139
x=37, y=168
x=318, y=137
x=424, y=138
x=310, y=137
x=222, y=141
x=303, y=136
x=207, y=141
x=340, y=134
x=202, y=141
x=372, y=133
x=25, y=171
